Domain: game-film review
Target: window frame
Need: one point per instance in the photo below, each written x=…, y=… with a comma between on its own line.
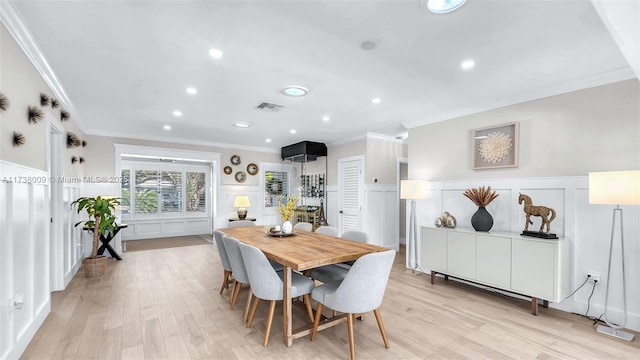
x=134, y=165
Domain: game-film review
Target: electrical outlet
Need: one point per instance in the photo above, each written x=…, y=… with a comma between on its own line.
x=593, y=276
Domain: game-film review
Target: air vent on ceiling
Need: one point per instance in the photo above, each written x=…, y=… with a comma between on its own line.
x=269, y=107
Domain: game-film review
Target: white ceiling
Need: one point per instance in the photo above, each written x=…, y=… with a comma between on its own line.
x=125, y=64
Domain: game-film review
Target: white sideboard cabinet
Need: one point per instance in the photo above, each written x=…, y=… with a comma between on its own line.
x=536, y=268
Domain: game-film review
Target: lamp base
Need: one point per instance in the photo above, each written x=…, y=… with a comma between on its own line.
x=615, y=332
x=242, y=214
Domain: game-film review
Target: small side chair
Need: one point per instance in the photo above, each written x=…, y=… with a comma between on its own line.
x=305, y=226
x=267, y=284
x=226, y=265
x=241, y=223
x=361, y=291
x=327, y=230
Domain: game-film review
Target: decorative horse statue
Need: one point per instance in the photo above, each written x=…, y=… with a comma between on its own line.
x=541, y=211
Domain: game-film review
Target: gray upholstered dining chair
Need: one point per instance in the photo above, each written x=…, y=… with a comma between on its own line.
x=336, y=272
x=224, y=259
x=305, y=226
x=327, y=230
x=241, y=223
x=239, y=272
x=359, y=236
x=361, y=291
x=267, y=284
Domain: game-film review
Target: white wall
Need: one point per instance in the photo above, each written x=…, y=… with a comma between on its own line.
x=24, y=255
x=594, y=129
x=561, y=137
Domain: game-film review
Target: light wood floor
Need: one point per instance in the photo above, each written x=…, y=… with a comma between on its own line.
x=163, y=243
x=164, y=303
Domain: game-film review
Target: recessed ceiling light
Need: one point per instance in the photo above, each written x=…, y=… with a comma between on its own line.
x=295, y=91
x=242, y=124
x=191, y=90
x=216, y=53
x=268, y=140
x=368, y=45
x=293, y=131
x=468, y=64
x=444, y=6
x=326, y=118
x=167, y=127
x=376, y=100
x=177, y=113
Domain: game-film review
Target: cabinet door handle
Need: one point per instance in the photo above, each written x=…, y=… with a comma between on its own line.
x=340, y=212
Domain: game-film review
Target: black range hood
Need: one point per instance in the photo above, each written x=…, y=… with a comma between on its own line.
x=303, y=151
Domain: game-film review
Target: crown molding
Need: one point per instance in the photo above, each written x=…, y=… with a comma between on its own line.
x=16, y=26
x=182, y=141
x=368, y=136
x=599, y=79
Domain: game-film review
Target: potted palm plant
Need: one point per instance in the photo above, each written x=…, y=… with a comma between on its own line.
x=101, y=220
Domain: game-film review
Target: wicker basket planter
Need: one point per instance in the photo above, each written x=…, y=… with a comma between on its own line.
x=102, y=220
x=95, y=267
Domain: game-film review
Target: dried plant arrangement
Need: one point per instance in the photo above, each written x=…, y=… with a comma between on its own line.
x=35, y=114
x=64, y=115
x=72, y=140
x=44, y=100
x=54, y=103
x=4, y=102
x=74, y=160
x=481, y=196
x=18, y=139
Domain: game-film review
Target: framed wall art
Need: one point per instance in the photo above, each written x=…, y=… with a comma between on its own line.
x=496, y=146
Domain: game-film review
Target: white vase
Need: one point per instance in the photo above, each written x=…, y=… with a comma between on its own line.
x=287, y=227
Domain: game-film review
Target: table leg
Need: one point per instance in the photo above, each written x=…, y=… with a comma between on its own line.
x=286, y=306
x=534, y=306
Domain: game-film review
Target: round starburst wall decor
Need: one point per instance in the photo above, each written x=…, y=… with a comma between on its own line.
x=495, y=147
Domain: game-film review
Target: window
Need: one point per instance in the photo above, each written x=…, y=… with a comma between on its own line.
x=171, y=190
x=150, y=190
x=125, y=203
x=196, y=188
x=276, y=185
x=275, y=181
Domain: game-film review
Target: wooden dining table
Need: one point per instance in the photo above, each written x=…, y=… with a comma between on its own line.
x=302, y=251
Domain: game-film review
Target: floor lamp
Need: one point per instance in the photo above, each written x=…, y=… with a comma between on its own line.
x=615, y=188
x=413, y=190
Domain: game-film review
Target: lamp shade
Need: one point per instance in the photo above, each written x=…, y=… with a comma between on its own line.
x=614, y=187
x=413, y=189
x=242, y=202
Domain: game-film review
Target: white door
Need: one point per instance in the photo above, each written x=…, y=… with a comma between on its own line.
x=350, y=190
x=56, y=225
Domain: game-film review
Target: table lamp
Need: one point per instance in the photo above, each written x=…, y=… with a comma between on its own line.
x=615, y=188
x=413, y=190
x=242, y=203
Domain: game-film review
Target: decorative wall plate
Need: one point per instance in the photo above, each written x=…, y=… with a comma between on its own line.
x=228, y=170
x=235, y=159
x=241, y=176
x=252, y=169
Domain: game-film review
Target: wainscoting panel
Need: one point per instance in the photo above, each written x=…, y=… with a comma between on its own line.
x=331, y=207
x=157, y=228
x=24, y=255
x=72, y=235
x=379, y=221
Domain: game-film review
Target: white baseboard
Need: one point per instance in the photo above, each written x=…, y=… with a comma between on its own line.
x=24, y=340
